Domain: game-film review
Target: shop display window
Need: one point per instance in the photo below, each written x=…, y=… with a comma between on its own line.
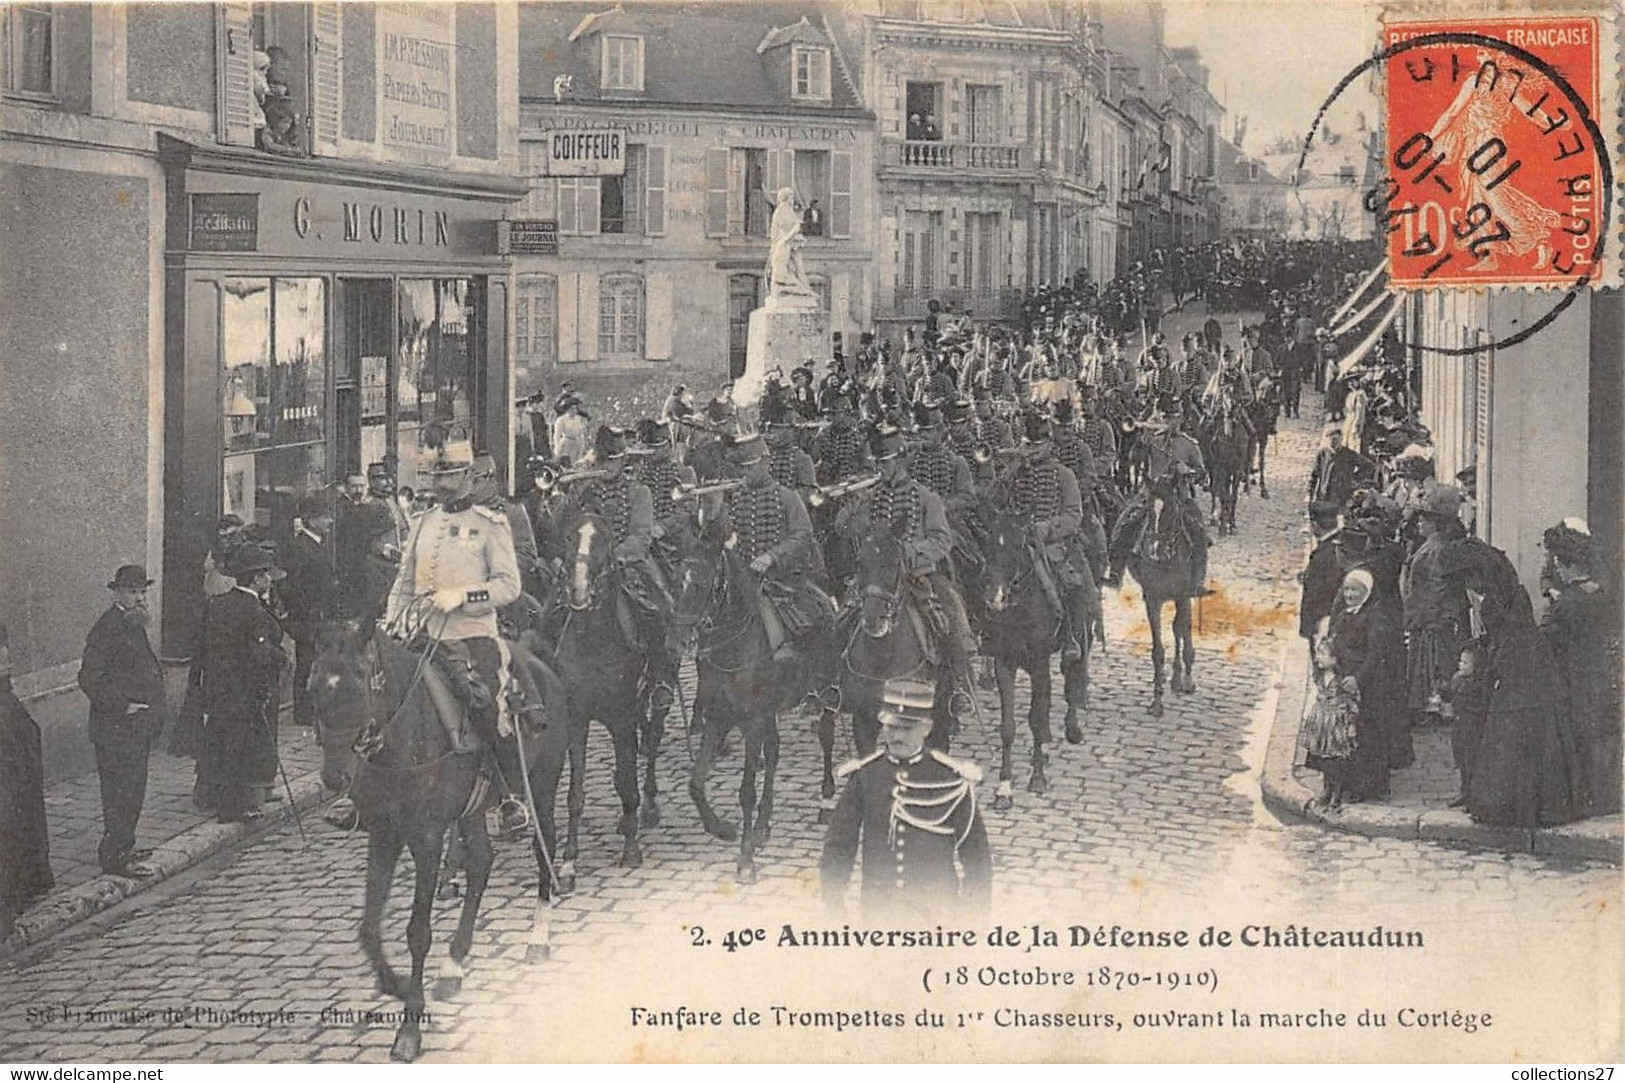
x=434, y=380
x=273, y=388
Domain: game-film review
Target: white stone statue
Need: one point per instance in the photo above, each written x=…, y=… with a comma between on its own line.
x=785, y=278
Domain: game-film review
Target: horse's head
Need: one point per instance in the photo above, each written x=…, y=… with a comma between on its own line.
x=700, y=581
x=1007, y=561
x=879, y=580
x=344, y=684
x=588, y=545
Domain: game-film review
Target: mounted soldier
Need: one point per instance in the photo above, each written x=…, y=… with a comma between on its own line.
x=790, y=466
x=1173, y=469
x=916, y=516
x=839, y=452
x=628, y=506
x=771, y=530
x=1042, y=493
x=963, y=441
x=1074, y=454
x=460, y=558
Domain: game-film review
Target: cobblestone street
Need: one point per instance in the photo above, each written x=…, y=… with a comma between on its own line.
x=1146, y=815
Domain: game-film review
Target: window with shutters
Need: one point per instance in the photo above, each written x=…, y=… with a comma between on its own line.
x=269, y=57
x=579, y=203
x=840, y=194
x=811, y=172
x=535, y=320
x=620, y=317
x=654, y=191
x=622, y=62
x=29, y=50
x=810, y=73
x=752, y=174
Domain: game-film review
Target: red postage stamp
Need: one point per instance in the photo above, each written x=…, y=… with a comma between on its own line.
x=1497, y=161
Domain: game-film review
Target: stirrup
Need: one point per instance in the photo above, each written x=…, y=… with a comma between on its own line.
x=513, y=815
x=960, y=703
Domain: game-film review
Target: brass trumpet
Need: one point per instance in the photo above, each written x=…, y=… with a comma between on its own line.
x=570, y=477
x=823, y=494
x=682, y=491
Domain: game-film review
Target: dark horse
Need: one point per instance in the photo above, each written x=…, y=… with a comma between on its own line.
x=595, y=655
x=383, y=740
x=886, y=639
x=1227, y=441
x=718, y=603
x=1264, y=414
x=1164, y=565
x=1022, y=631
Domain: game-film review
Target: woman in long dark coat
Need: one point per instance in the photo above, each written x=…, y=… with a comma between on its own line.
x=25, y=846
x=1528, y=766
x=1582, y=629
x=1368, y=647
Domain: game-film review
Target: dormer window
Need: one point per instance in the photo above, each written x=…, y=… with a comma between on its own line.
x=623, y=62
x=810, y=73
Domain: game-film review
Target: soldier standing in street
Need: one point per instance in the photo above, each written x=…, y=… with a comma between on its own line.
x=914, y=813
x=121, y=676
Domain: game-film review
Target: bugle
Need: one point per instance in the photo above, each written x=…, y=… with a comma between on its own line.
x=823, y=494
x=570, y=477
x=684, y=491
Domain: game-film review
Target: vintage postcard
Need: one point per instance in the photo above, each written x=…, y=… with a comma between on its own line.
x=811, y=531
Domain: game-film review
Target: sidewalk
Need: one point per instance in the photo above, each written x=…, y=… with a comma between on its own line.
x=178, y=834
x=1418, y=806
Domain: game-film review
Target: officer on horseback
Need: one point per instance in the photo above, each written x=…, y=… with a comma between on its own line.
x=628, y=506
x=916, y=515
x=1041, y=492
x=1173, y=467
x=773, y=533
x=460, y=556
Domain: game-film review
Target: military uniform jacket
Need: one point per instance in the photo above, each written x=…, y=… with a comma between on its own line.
x=523, y=533
x=927, y=540
x=468, y=549
x=1165, y=450
x=912, y=821
x=956, y=488
x=633, y=522
x=791, y=531
x=242, y=656
x=1052, y=525
x=119, y=667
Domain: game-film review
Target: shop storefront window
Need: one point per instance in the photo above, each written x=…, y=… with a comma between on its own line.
x=434, y=387
x=273, y=386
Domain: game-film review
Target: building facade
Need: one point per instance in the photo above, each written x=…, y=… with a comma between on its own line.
x=985, y=175
x=1496, y=409
x=656, y=143
x=261, y=253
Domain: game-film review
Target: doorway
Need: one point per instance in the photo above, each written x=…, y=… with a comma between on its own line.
x=361, y=377
x=744, y=296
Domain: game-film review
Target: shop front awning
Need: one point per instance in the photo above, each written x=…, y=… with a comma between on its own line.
x=1354, y=356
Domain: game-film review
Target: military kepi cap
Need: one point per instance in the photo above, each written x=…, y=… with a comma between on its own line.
x=745, y=449
x=906, y=702
x=130, y=577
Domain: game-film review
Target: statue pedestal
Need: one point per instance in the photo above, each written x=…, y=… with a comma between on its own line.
x=784, y=332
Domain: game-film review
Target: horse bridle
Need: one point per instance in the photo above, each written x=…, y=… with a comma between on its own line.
x=706, y=622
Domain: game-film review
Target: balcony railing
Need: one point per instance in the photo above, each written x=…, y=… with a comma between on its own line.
x=980, y=157
x=989, y=304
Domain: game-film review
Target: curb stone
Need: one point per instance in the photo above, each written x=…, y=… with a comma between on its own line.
x=64, y=909
x=1598, y=839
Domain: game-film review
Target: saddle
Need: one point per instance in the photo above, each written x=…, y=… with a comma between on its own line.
x=1167, y=544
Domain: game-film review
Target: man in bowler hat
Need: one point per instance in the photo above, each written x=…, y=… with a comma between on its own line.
x=121, y=676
